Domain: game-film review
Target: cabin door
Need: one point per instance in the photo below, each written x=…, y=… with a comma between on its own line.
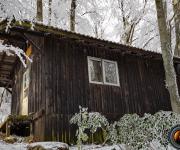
x=25, y=93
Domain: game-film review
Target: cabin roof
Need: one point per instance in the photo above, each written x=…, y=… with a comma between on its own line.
x=40, y=28
x=46, y=30
x=7, y=63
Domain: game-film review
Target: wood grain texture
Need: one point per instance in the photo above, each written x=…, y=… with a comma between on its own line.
x=59, y=84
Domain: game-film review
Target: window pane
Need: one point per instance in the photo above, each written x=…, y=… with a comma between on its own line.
x=25, y=83
x=26, y=79
x=95, y=70
x=110, y=72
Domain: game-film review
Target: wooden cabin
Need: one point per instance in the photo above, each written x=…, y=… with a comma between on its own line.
x=70, y=69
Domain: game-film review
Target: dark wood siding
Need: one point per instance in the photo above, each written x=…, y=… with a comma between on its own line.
x=16, y=91
x=36, y=102
x=142, y=87
x=60, y=83
x=37, y=88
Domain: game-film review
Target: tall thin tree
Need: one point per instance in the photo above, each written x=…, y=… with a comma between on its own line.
x=39, y=15
x=50, y=12
x=167, y=55
x=176, y=7
x=73, y=15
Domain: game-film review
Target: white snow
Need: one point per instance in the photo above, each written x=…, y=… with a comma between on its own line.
x=99, y=18
x=155, y=145
x=23, y=146
x=54, y=145
x=11, y=50
x=4, y=111
x=49, y=145
x=100, y=147
x=15, y=146
x=5, y=108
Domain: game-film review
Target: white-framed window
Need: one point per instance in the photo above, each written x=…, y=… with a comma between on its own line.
x=25, y=83
x=102, y=71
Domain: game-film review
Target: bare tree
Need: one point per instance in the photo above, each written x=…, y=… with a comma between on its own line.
x=129, y=23
x=39, y=15
x=167, y=55
x=97, y=22
x=176, y=6
x=73, y=15
x=50, y=12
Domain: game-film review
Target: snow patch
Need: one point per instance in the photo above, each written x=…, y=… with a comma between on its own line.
x=15, y=146
x=100, y=147
x=49, y=145
x=5, y=108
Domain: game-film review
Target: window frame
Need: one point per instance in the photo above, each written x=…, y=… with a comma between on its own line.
x=104, y=74
x=89, y=58
x=89, y=69
x=25, y=74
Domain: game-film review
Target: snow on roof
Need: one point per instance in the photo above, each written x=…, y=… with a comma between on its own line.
x=44, y=28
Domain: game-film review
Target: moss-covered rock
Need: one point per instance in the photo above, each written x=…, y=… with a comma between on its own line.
x=10, y=139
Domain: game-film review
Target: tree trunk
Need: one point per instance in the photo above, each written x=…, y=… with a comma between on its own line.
x=50, y=12
x=39, y=15
x=176, y=6
x=167, y=55
x=73, y=15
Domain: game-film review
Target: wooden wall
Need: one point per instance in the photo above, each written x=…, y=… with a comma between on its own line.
x=142, y=87
x=16, y=91
x=36, y=98
x=59, y=84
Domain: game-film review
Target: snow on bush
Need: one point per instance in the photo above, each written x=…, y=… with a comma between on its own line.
x=147, y=132
x=5, y=108
x=85, y=120
x=140, y=132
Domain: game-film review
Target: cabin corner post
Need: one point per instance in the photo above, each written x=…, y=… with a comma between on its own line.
x=31, y=130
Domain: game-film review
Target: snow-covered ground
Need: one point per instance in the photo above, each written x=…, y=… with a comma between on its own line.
x=23, y=146
x=15, y=146
x=99, y=147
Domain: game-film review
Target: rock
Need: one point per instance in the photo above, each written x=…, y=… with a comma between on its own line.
x=10, y=139
x=37, y=147
x=48, y=146
x=2, y=136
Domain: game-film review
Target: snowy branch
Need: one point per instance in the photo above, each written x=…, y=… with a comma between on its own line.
x=11, y=50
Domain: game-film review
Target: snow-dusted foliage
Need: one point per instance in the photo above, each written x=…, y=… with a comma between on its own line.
x=141, y=132
x=94, y=14
x=5, y=107
x=118, y=20
x=17, y=9
x=60, y=11
x=147, y=132
x=87, y=121
x=104, y=19
x=11, y=50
